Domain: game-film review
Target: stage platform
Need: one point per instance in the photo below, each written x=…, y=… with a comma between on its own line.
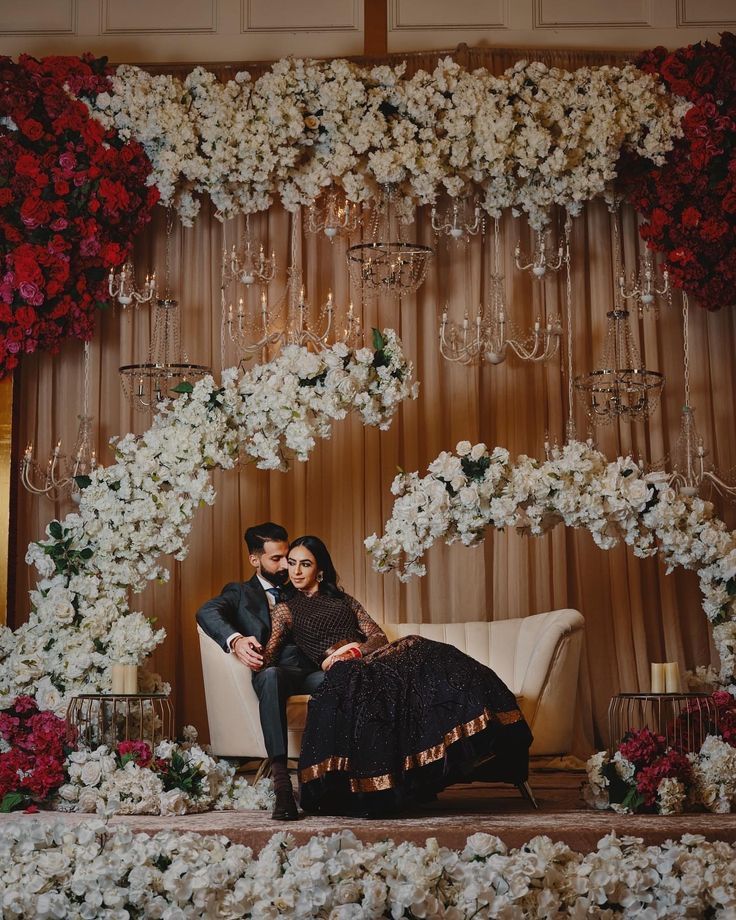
x=458, y=812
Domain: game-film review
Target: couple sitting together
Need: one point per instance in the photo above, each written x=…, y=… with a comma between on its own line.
x=389, y=723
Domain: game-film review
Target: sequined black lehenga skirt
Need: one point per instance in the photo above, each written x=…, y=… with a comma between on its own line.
x=405, y=722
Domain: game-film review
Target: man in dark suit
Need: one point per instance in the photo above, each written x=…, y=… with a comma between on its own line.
x=239, y=620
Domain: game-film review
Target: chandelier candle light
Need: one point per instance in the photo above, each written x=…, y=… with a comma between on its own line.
x=493, y=333
x=61, y=476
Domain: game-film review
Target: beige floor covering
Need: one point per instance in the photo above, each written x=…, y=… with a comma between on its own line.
x=458, y=812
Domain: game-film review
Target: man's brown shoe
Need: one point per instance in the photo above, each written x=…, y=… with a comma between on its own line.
x=285, y=808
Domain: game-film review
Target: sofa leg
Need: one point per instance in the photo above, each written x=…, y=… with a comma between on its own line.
x=526, y=791
x=263, y=771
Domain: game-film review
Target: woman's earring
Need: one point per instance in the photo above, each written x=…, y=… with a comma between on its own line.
x=320, y=577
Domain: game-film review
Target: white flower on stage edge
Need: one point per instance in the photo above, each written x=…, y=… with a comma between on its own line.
x=141, y=507
x=53, y=868
x=466, y=492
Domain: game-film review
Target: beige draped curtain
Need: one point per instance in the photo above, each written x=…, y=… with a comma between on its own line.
x=634, y=612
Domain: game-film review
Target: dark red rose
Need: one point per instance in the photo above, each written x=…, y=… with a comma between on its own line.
x=6, y=196
x=690, y=218
x=32, y=129
x=704, y=74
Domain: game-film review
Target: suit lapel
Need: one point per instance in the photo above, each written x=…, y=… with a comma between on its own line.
x=256, y=601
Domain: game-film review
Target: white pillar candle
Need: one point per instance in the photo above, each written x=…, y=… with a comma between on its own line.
x=658, y=682
x=672, y=677
x=131, y=678
x=118, y=678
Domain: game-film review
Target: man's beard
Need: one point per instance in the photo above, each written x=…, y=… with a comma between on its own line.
x=277, y=579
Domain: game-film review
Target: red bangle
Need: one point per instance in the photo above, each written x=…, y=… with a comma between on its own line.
x=355, y=652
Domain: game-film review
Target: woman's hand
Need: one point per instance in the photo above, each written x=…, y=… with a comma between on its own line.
x=345, y=653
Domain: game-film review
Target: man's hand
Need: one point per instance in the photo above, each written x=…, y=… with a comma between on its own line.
x=248, y=650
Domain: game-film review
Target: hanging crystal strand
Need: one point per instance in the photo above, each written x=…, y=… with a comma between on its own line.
x=570, y=431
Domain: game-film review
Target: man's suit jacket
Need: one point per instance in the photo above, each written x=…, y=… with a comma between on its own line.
x=242, y=606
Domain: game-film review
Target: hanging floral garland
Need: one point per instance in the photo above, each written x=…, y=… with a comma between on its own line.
x=472, y=489
x=140, y=508
x=72, y=196
x=690, y=199
x=529, y=139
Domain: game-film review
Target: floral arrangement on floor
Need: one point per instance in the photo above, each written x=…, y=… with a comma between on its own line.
x=140, y=508
x=645, y=774
x=173, y=779
x=34, y=746
x=72, y=196
x=105, y=870
x=689, y=200
x=475, y=488
x=534, y=137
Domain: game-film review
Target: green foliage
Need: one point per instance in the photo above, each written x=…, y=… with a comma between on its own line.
x=183, y=387
x=12, y=801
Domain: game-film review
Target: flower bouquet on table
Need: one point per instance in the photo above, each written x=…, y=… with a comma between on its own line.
x=33, y=749
x=644, y=774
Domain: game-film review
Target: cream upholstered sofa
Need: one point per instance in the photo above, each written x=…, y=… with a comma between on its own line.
x=537, y=657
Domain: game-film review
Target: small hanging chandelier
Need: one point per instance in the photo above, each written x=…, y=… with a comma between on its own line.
x=146, y=384
x=248, y=263
x=621, y=387
x=63, y=476
x=493, y=334
x=389, y=266
x=332, y=214
x=542, y=260
x=460, y=220
x=643, y=289
x=121, y=286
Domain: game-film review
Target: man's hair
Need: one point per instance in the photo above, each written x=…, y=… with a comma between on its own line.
x=256, y=536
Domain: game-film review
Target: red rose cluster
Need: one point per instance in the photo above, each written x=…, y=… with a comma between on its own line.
x=690, y=201
x=72, y=196
x=36, y=745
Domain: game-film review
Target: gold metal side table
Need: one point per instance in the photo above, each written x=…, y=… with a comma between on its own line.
x=108, y=718
x=683, y=719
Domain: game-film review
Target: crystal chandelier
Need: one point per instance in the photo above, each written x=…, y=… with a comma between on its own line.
x=493, y=333
x=541, y=260
x=392, y=267
x=62, y=474
x=621, y=387
x=333, y=214
x=121, y=286
x=690, y=466
x=643, y=289
x=462, y=219
x=248, y=263
x=290, y=321
x=167, y=370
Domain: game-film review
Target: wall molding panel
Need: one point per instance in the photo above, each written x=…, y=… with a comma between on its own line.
x=42, y=17
x=706, y=13
x=582, y=14
x=287, y=16
x=170, y=16
x=436, y=14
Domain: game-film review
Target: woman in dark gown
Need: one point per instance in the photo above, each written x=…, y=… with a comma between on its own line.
x=392, y=723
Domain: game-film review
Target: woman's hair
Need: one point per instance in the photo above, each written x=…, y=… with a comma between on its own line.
x=329, y=584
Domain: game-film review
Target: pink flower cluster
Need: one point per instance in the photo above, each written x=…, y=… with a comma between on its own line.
x=33, y=766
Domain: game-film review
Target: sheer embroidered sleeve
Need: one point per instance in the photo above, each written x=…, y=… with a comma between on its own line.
x=280, y=631
x=375, y=637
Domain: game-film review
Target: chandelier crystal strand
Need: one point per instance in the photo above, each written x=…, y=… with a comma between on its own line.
x=167, y=370
x=621, y=388
x=570, y=430
x=390, y=266
x=493, y=333
x=61, y=475
x=690, y=468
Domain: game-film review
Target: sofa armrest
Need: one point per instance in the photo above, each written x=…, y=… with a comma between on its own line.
x=232, y=704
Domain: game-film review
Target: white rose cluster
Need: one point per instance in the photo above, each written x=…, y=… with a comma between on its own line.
x=97, y=784
x=105, y=870
x=467, y=491
x=529, y=139
x=140, y=508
